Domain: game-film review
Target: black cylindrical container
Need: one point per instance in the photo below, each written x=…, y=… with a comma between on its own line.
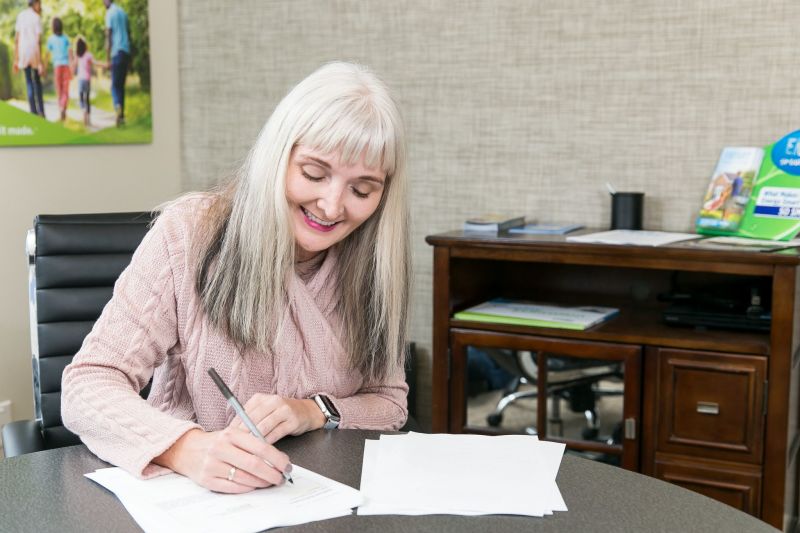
x=627, y=209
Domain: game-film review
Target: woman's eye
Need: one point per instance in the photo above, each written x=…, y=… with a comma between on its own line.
x=312, y=178
x=360, y=194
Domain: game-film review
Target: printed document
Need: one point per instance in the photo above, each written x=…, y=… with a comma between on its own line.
x=173, y=503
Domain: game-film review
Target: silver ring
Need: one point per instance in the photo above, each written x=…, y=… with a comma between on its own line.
x=231, y=473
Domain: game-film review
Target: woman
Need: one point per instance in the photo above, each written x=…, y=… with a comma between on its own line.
x=291, y=282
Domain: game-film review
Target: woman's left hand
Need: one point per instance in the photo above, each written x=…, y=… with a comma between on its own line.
x=277, y=416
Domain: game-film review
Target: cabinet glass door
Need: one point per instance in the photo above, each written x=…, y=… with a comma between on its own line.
x=585, y=394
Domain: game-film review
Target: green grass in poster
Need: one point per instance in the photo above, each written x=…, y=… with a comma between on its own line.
x=20, y=128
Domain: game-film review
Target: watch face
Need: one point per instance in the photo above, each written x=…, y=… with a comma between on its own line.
x=329, y=406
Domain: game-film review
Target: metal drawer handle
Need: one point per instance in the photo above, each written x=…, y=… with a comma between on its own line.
x=630, y=428
x=708, y=408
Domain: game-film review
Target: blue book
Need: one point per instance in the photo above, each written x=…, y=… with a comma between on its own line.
x=545, y=229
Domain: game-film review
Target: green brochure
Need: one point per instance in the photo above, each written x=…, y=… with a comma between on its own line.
x=774, y=208
x=755, y=192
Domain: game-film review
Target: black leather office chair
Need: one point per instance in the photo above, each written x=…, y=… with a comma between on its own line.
x=73, y=262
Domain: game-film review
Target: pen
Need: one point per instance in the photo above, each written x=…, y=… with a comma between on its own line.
x=240, y=411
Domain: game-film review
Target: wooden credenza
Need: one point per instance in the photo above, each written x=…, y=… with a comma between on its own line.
x=713, y=410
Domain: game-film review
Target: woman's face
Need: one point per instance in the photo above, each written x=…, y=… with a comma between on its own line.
x=328, y=199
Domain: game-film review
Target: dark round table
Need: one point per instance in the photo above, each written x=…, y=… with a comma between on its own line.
x=46, y=491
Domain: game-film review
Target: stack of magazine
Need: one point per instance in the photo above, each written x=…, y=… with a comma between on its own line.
x=526, y=313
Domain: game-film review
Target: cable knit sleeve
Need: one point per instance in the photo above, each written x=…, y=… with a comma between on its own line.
x=380, y=407
x=134, y=334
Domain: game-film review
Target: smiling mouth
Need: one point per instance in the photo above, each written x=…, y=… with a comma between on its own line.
x=317, y=223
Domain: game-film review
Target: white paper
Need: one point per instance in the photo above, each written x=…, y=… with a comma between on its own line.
x=633, y=237
x=460, y=474
x=744, y=241
x=173, y=503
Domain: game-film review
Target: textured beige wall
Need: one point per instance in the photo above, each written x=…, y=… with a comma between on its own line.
x=518, y=106
x=79, y=179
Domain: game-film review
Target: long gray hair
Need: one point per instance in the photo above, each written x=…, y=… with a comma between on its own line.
x=249, y=251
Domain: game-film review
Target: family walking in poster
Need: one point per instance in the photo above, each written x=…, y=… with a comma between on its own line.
x=76, y=65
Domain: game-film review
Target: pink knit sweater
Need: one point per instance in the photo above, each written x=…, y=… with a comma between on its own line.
x=154, y=326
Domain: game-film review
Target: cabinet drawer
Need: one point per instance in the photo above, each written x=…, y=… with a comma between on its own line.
x=711, y=405
x=730, y=484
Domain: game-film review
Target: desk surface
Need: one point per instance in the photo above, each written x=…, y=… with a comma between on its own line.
x=46, y=491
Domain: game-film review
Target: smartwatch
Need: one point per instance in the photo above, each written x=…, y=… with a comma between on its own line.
x=325, y=405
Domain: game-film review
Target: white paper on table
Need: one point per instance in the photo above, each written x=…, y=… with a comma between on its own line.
x=455, y=486
x=745, y=241
x=633, y=237
x=460, y=474
x=373, y=507
x=173, y=503
x=549, y=455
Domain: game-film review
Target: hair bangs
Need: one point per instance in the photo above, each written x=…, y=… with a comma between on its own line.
x=354, y=128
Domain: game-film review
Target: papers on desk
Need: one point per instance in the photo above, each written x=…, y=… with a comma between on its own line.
x=633, y=237
x=756, y=243
x=418, y=474
x=173, y=503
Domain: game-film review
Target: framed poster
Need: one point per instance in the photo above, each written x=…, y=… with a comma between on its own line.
x=74, y=72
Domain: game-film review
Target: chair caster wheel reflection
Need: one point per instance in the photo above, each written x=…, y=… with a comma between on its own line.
x=494, y=419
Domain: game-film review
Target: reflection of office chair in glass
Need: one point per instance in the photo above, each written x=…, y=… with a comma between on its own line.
x=570, y=379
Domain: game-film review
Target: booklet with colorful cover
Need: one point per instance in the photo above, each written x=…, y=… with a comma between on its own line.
x=760, y=205
x=729, y=191
x=526, y=313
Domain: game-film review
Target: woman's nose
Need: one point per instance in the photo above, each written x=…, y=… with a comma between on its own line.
x=331, y=203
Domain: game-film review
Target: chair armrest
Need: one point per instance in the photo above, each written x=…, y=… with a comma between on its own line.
x=411, y=425
x=22, y=436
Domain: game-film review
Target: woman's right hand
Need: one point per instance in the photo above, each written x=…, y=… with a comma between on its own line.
x=207, y=458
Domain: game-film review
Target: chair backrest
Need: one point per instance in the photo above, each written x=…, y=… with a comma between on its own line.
x=73, y=262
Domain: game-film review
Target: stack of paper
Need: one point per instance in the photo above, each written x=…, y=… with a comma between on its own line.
x=537, y=314
x=745, y=241
x=633, y=237
x=419, y=474
x=173, y=503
